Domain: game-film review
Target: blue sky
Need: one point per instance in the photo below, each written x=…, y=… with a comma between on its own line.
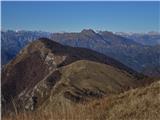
x=75, y=16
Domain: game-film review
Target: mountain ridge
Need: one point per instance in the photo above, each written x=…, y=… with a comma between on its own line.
x=39, y=66
x=141, y=58
x=127, y=51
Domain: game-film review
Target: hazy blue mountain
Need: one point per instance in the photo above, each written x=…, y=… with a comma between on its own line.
x=13, y=41
x=135, y=55
x=150, y=38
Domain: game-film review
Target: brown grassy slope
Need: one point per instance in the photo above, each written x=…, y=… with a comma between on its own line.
x=137, y=104
x=85, y=74
x=84, y=80
x=80, y=81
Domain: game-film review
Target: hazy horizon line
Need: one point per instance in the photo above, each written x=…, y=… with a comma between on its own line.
x=77, y=31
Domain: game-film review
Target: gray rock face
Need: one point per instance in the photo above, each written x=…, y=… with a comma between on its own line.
x=40, y=92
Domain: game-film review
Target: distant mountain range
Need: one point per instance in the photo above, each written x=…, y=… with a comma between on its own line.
x=13, y=41
x=140, y=52
x=139, y=57
x=150, y=38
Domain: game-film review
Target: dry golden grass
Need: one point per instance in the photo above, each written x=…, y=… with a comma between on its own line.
x=137, y=104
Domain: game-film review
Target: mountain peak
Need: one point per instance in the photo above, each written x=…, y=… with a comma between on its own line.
x=88, y=31
x=47, y=43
